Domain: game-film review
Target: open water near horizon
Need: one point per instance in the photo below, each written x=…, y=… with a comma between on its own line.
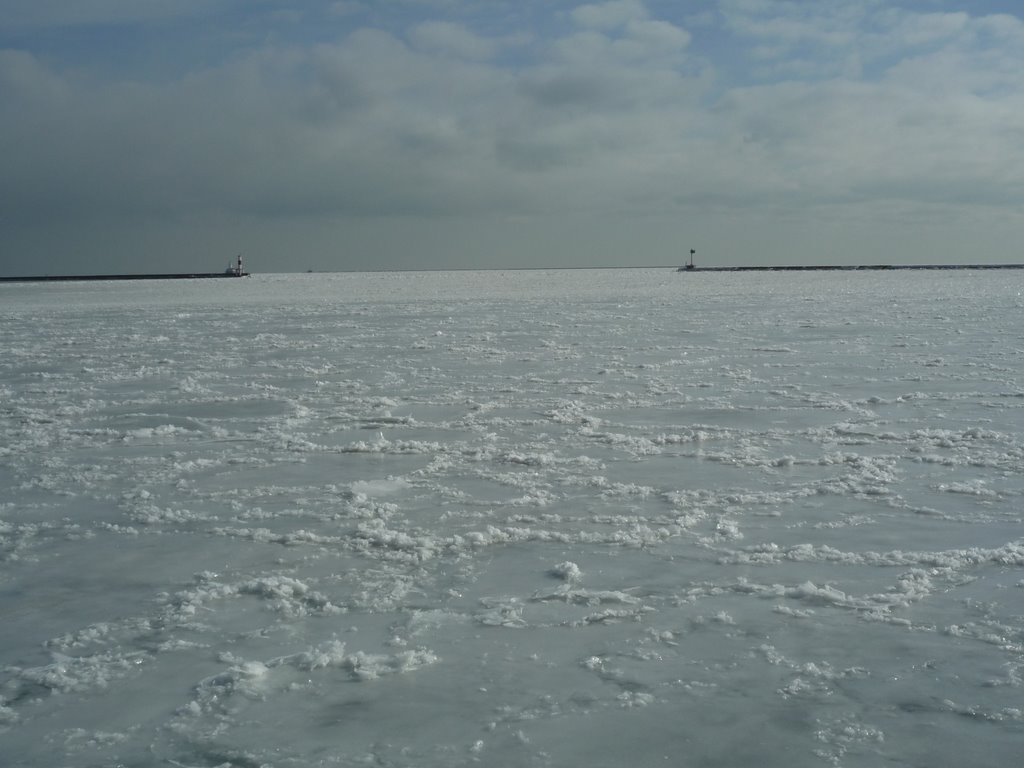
x=541, y=518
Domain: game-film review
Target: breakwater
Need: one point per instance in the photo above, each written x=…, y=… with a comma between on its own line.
x=172, y=276
x=848, y=268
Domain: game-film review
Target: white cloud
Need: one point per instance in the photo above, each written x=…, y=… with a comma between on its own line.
x=451, y=39
x=1002, y=28
x=923, y=29
x=610, y=15
x=637, y=44
x=792, y=23
x=344, y=7
x=657, y=37
x=614, y=119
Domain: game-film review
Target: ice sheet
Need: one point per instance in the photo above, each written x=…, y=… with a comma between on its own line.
x=550, y=518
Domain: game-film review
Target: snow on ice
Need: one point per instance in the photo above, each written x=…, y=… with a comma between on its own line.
x=581, y=518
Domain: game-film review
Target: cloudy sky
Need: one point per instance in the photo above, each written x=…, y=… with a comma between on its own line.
x=149, y=135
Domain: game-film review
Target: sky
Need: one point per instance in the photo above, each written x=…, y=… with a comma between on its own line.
x=146, y=135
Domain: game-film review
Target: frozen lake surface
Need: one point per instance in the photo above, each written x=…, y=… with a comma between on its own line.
x=567, y=518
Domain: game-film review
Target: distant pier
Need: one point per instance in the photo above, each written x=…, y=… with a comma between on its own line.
x=846, y=268
x=235, y=270
x=74, y=278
